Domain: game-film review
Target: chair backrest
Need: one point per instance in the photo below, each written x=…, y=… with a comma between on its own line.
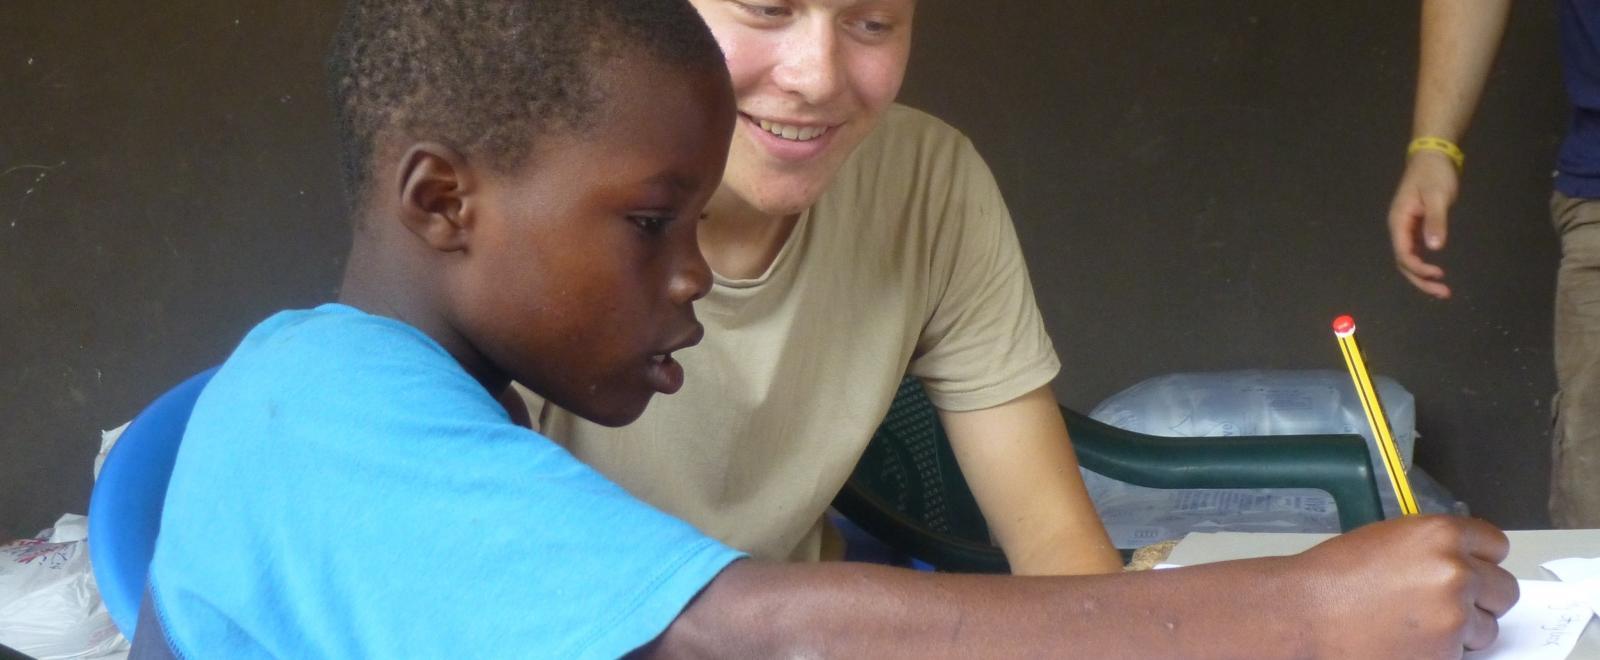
x=125, y=508
x=907, y=491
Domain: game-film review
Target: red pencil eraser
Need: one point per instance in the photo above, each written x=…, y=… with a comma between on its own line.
x=1344, y=325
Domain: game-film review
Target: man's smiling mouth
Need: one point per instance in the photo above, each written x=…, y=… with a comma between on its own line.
x=792, y=132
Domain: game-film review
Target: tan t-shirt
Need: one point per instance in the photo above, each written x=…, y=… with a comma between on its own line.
x=907, y=264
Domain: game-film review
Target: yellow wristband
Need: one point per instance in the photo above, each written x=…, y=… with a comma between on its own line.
x=1440, y=145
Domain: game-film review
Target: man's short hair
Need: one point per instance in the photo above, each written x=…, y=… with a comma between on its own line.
x=487, y=76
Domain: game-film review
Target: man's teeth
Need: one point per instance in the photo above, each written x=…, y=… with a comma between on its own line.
x=797, y=133
x=659, y=359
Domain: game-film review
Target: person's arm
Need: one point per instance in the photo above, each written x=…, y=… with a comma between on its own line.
x=1019, y=462
x=1459, y=40
x=1420, y=587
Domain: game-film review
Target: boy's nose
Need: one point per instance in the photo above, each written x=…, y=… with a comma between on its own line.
x=692, y=279
x=809, y=62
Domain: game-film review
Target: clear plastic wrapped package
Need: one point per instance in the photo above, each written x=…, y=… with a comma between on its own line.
x=1250, y=402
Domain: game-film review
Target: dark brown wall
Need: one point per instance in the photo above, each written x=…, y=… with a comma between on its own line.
x=192, y=188
x=1203, y=186
x=1197, y=185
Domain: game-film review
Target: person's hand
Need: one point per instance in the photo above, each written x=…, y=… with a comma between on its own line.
x=1418, y=587
x=1419, y=216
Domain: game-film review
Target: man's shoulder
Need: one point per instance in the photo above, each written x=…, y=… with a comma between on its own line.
x=911, y=155
x=905, y=117
x=908, y=153
x=909, y=132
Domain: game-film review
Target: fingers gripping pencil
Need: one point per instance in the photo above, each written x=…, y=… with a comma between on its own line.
x=1344, y=328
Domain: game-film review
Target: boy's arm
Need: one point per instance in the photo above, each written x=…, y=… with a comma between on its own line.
x=1019, y=462
x=1416, y=588
x=1459, y=40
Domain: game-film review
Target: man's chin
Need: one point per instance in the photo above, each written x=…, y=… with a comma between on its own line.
x=783, y=196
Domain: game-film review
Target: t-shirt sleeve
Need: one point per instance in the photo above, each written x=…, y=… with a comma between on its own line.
x=984, y=342
x=388, y=508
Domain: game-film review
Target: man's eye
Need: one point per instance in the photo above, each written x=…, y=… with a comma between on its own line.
x=650, y=223
x=763, y=11
x=874, y=27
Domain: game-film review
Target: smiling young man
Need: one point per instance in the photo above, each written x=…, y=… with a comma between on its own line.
x=853, y=242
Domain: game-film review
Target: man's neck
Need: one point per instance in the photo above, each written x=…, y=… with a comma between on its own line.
x=740, y=241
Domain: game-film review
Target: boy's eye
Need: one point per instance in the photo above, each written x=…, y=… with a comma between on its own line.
x=653, y=224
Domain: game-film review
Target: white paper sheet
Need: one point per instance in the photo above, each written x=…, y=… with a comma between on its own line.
x=1585, y=573
x=1544, y=624
x=1575, y=569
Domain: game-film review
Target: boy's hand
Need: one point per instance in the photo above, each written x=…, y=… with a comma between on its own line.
x=1418, y=587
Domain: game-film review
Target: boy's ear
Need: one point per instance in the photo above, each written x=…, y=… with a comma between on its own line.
x=435, y=182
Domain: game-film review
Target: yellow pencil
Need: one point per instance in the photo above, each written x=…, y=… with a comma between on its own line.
x=1344, y=328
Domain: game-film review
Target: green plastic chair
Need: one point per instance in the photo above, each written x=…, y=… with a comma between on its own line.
x=908, y=491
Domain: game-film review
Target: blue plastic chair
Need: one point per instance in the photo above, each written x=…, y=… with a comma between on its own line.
x=125, y=508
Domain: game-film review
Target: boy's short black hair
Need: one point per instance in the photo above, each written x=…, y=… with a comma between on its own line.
x=487, y=76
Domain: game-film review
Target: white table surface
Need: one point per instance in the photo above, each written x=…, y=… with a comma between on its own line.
x=1529, y=549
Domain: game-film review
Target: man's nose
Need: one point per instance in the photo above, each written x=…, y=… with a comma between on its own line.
x=811, y=65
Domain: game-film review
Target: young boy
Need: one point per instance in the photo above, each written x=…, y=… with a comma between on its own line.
x=527, y=179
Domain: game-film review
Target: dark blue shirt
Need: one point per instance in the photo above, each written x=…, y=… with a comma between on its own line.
x=1578, y=164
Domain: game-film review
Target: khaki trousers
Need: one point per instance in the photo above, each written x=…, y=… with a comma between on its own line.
x=1575, y=432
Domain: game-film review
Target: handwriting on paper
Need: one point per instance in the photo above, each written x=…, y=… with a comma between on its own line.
x=1544, y=625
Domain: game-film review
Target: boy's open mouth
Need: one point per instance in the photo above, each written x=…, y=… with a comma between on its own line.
x=665, y=374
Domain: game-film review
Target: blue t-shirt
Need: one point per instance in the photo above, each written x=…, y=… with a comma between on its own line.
x=1578, y=163
x=345, y=489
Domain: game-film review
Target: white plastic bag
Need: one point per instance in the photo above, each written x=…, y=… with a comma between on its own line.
x=1259, y=402
x=49, y=604
x=108, y=439
x=1250, y=402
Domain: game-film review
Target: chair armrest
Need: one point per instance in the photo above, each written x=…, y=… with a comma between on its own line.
x=1336, y=463
x=913, y=537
